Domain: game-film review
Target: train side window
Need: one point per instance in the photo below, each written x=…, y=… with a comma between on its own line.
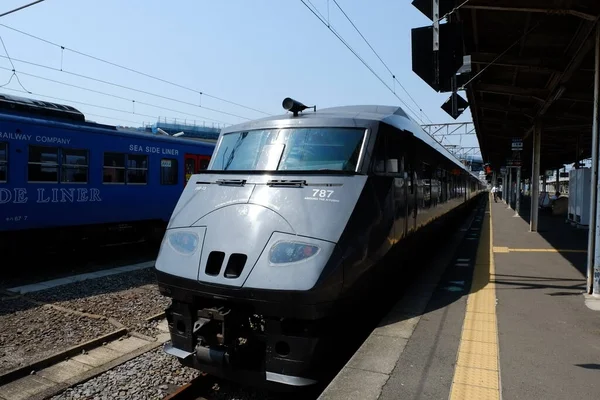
x=43, y=164
x=388, y=154
x=168, y=171
x=137, y=169
x=424, y=184
x=443, y=185
x=3, y=162
x=114, y=168
x=436, y=185
x=380, y=154
x=74, y=166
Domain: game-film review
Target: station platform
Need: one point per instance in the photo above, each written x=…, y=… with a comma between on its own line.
x=505, y=318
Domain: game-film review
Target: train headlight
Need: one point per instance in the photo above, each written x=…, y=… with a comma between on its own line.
x=183, y=242
x=291, y=252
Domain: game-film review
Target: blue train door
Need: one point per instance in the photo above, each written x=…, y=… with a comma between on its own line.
x=194, y=163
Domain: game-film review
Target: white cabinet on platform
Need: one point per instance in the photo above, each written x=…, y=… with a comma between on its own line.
x=572, y=195
x=580, y=187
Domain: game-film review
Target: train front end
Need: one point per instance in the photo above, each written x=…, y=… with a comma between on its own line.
x=251, y=258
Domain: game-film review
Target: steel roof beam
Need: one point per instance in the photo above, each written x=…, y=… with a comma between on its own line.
x=531, y=93
x=556, y=11
x=573, y=66
x=504, y=108
x=537, y=94
x=510, y=122
x=534, y=64
x=571, y=117
x=578, y=127
x=586, y=44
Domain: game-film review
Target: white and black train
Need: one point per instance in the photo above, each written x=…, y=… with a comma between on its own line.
x=282, y=232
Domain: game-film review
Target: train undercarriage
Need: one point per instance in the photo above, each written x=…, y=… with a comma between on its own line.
x=238, y=344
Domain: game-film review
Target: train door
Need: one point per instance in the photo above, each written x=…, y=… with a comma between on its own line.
x=194, y=163
x=411, y=187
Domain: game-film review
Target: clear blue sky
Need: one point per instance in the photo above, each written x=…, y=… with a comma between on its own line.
x=252, y=52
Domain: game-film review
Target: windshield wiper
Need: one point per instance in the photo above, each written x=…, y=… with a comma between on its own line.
x=237, y=144
x=286, y=183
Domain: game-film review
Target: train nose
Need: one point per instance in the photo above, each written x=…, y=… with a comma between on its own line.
x=229, y=242
x=235, y=238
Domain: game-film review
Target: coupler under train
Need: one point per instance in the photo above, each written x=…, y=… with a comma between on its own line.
x=236, y=344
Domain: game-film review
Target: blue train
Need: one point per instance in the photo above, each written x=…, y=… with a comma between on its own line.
x=64, y=179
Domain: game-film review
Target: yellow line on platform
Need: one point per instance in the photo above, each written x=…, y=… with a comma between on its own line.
x=477, y=371
x=501, y=249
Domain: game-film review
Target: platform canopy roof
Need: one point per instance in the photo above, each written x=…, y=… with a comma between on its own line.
x=538, y=57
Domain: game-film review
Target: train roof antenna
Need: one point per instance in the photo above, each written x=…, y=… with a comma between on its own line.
x=295, y=106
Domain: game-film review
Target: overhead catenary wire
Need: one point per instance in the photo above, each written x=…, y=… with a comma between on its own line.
x=199, y=92
x=116, y=96
x=359, y=57
x=152, y=117
x=133, y=101
x=20, y=8
x=124, y=87
x=380, y=59
x=455, y=9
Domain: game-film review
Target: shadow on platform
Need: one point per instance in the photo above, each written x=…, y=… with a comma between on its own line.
x=559, y=234
x=589, y=366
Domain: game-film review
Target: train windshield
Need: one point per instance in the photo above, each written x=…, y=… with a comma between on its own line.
x=290, y=149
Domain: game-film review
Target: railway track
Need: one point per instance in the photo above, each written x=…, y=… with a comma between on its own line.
x=96, y=338
x=206, y=387
x=59, y=333
x=200, y=388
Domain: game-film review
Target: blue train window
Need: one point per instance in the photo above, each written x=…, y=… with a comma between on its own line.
x=137, y=169
x=114, y=168
x=43, y=164
x=168, y=171
x=3, y=162
x=125, y=168
x=74, y=166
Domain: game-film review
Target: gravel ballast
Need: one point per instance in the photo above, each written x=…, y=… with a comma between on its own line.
x=29, y=332
x=148, y=328
x=149, y=376
x=97, y=286
x=129, y=298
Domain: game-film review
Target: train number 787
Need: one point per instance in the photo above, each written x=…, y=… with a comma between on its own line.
x=322, y=193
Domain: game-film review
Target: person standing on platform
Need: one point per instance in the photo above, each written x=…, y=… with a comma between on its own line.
x=495, y=193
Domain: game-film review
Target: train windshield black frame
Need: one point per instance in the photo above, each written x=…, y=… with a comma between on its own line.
x=291, y=150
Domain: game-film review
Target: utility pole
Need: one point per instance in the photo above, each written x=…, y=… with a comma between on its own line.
x=535, y=176
x=593, y=269
x=518, y=191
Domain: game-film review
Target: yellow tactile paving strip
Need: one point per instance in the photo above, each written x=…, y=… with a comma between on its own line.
x=477, y=372
x=501, y=249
